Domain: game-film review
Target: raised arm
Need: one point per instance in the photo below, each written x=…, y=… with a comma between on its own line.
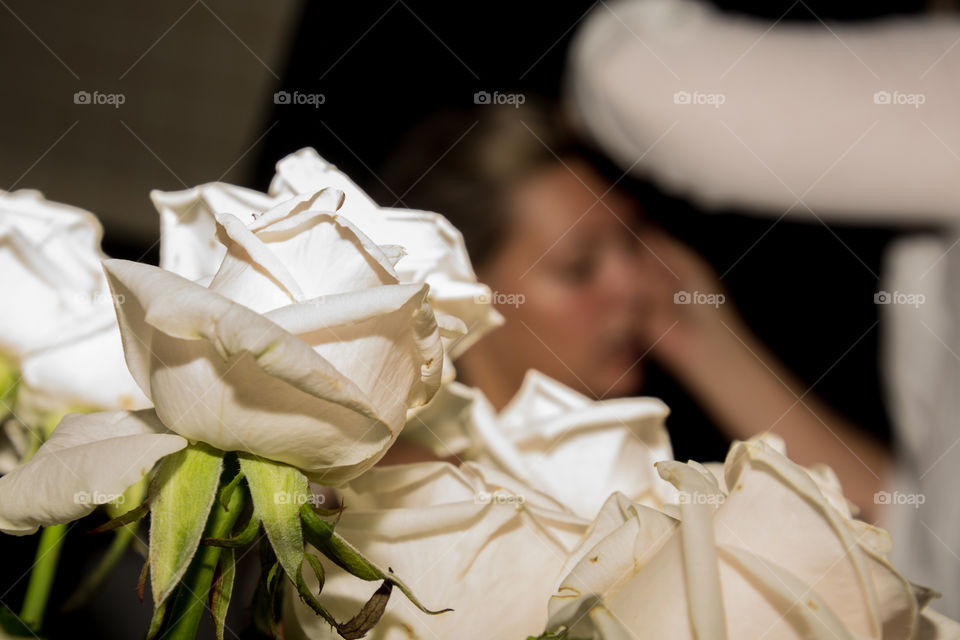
x=853, y=122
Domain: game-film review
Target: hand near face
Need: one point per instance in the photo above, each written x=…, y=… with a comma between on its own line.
x=688, y=306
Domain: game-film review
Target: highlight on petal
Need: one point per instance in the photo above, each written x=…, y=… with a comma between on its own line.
x=89, y=460
x=219, y=372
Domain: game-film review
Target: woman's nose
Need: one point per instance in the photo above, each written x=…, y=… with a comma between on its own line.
x=624, y=277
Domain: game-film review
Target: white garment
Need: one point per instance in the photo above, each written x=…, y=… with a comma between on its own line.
x=854, y=122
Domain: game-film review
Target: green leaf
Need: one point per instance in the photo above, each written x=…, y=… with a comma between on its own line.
x=181, y=496
x=322, y=536
x=278, y=490
x=222, y=589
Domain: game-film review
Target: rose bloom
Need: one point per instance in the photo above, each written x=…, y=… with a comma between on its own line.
x=764, y=553
x=304, y=349
x=556, y=440
x=58, y=330
x=470, y=539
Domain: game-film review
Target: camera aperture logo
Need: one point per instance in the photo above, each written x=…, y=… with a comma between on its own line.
x=502, y=299
x=698, y=497
x=485, y=97
x=312, y=99
x=499, y=497
x=98, y=497
x=899, y=297
x=97, y=98
x=714, y=100
x=99, y=297
x=897, y=498
x=299, y=499
x=697, y=297
x=899, y=98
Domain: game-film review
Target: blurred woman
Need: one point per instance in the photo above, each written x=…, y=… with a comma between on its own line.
x=589, y=289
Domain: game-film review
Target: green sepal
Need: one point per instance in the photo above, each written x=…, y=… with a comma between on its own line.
x=156, y=622
x=268, y=597
x=277, y=491
x=123, y=520
x=192, y=596
x=222, y=589
x=181, y=496
x=357, y=626
x=228, y=490
x=134, y=494
x=317, y=571
x=241, y=539
x=321, y=535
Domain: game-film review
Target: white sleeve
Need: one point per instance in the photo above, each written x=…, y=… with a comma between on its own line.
x=856, y=122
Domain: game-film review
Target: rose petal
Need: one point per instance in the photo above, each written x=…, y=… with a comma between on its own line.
x=188, y=245
x=451, y=534
x=90, y=459
x=237, y=380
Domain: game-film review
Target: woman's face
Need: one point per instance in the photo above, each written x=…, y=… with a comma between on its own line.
x=568, y=281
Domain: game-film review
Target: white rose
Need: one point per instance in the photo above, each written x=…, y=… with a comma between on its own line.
x=305, y=349
x=770, y=558
x=58, y=328
x=469, y=539
x=434, y=251
x=556, y=440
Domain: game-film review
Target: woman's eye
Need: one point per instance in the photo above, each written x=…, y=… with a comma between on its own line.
x=578, y=271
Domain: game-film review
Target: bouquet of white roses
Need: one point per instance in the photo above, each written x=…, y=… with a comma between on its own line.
x=277, y=353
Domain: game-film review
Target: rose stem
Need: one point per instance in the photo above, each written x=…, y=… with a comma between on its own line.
x=194, y=591
x=41, y=577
